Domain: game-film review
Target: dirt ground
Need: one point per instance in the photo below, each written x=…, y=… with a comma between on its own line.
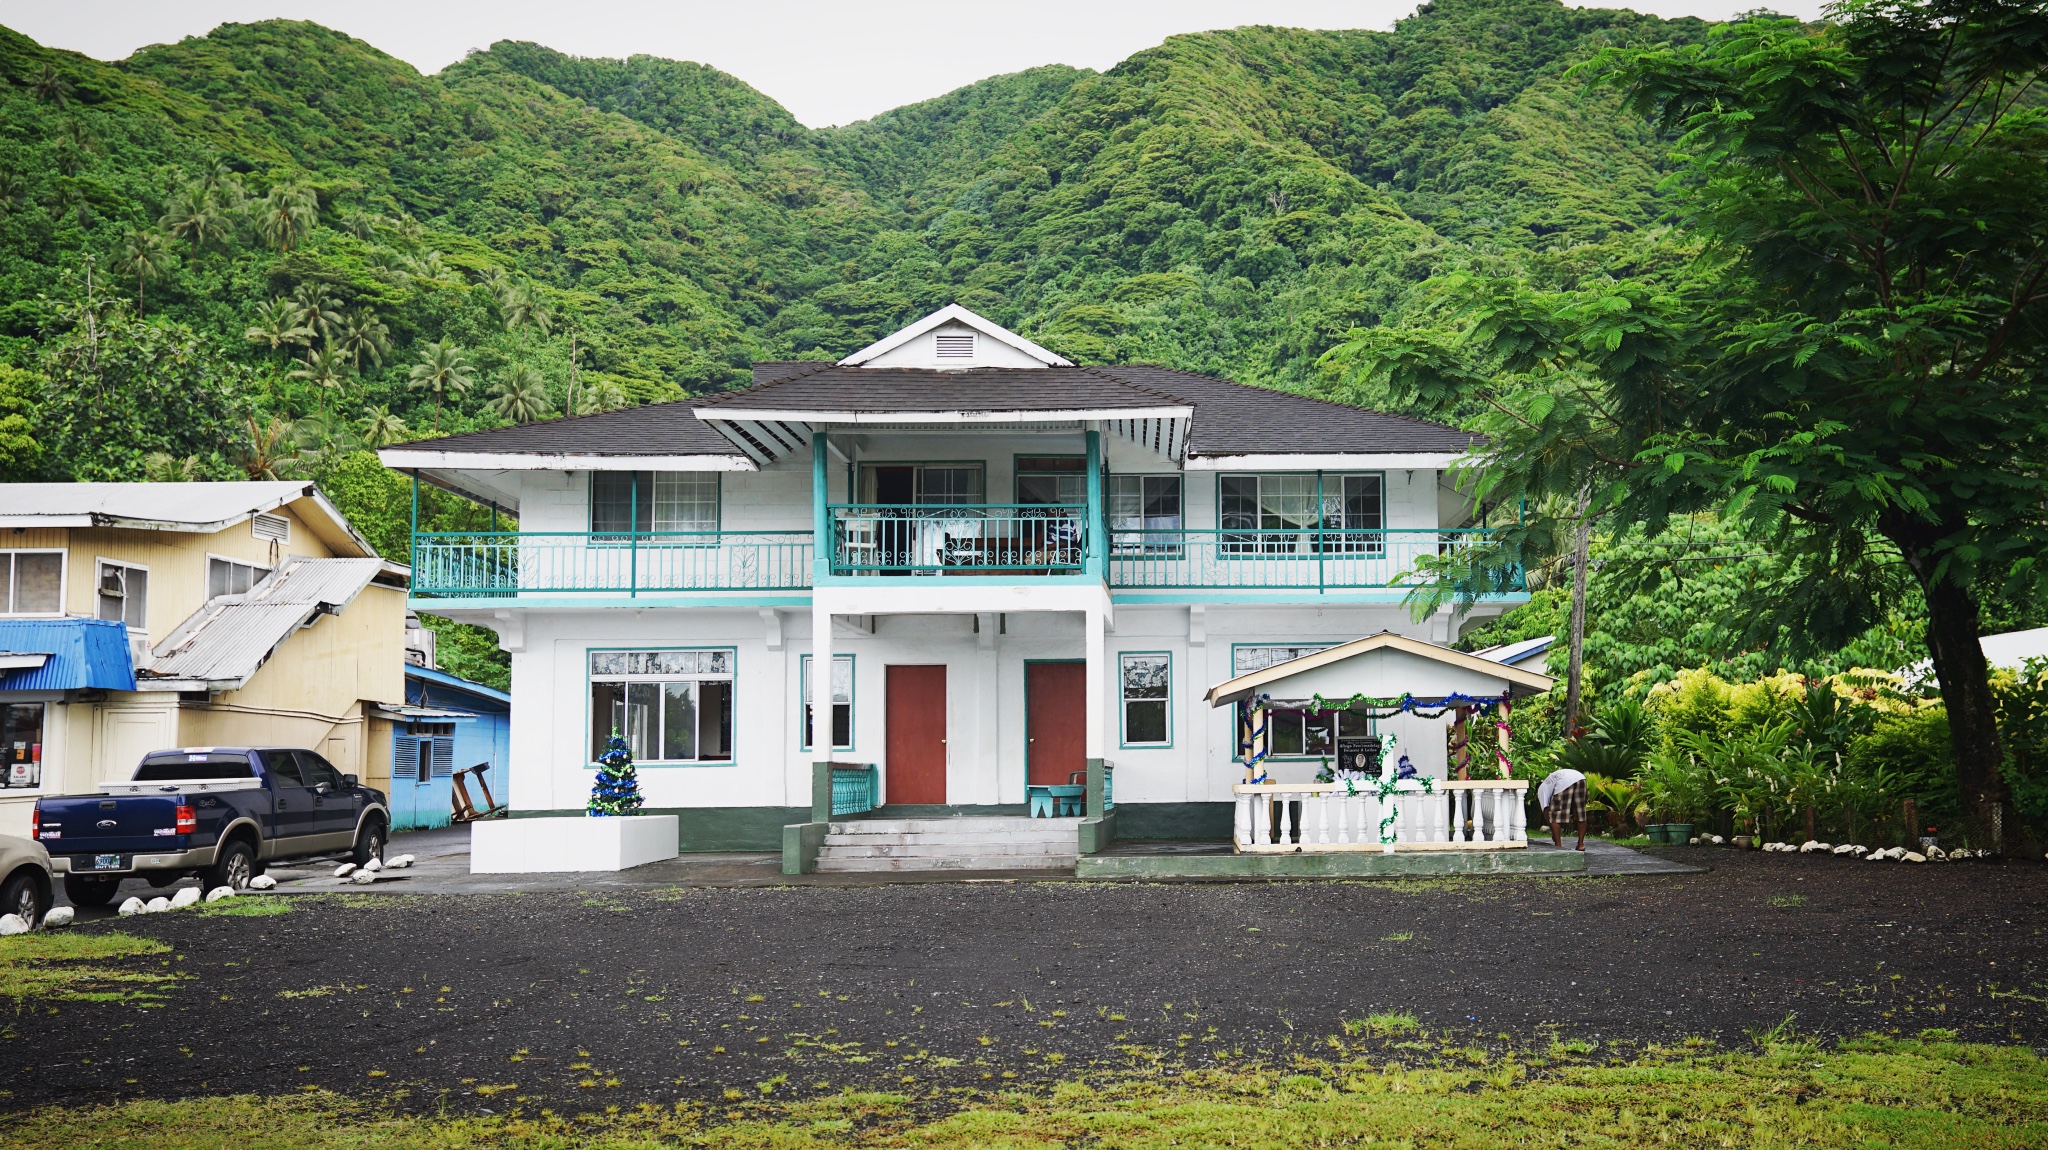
x=596, y=999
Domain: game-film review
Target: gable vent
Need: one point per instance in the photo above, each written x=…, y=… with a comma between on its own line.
x=275, y=528
x=955, y=346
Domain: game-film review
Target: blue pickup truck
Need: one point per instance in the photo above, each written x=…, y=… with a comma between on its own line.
x=218, y=812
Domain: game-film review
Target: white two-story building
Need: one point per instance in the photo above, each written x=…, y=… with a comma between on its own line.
x=1018, y=571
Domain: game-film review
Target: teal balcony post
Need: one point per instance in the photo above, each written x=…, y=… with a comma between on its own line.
x=1092, y=556
x=821, y=545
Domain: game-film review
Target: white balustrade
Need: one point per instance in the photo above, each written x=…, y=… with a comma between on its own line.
x=1311, y=818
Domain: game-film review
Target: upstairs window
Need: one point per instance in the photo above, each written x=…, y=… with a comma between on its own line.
x=35, y=582
x=954, y=345
x=653, y=501
x=1287, y=511
x=230, y=577
x=1052, y=480
x=124, y=595
x=1145, y=503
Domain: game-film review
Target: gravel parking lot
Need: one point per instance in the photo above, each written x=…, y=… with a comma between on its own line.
x=586, y=999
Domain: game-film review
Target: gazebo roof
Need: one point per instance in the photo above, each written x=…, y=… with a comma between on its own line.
x=1332, y=672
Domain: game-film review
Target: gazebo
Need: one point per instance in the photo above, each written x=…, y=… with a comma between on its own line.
x=1380, y=744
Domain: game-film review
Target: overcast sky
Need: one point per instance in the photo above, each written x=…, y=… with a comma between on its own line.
x=827, y=61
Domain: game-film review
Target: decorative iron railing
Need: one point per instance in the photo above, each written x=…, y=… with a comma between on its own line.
x=494, y=564
x=957, y=539
x=1297, y=559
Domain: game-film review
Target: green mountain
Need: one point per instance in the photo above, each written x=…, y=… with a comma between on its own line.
x=1229, y=202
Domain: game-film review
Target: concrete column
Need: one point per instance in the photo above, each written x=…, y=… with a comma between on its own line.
x=988, y=713
x=821, y=719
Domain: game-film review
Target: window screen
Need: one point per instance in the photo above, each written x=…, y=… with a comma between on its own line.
x=35, y=581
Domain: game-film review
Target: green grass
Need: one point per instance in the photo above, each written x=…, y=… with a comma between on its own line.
x=246, y=907
x=1890, y=1093
x=63, y=966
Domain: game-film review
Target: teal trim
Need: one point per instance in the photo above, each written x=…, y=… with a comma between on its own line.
x=1123, y=705
x=992, y=578
x=852, y=693
x=1336, y=864
x=589, y=734
x=1283, y=596
x=587, y=602
x=1092, y=548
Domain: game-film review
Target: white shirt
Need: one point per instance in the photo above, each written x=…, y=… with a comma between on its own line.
x=1557, y=780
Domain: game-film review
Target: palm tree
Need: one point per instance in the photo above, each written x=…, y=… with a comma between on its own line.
x=444, y=370
x=324, y=369
x=277, y=325
x=380, y=428
x=272, y=448
x=521, y=396
x=146, y=256
x=50, y=86
x=601, y=395
x=426, y=266
x=523, y=308
x=317, y=310
x=13, y=189
x=199, y=218
x=361, y=224
x=361, y=332
x=287, y=215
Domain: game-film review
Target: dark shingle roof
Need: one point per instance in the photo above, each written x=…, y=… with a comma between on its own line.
x=1234, y=419
x=1229, y=419
x=653, y=429
x=880, y=390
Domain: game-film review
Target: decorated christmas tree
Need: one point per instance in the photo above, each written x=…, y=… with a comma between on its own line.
x=617, y=789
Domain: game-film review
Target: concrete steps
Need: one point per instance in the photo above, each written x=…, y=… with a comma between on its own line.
x=1003, y=843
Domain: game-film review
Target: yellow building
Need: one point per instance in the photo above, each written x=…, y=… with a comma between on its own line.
x=136, y=616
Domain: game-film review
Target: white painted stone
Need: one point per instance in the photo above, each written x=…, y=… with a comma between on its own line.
x=184, y=896
x=528, y=846
x=220, y=892
x=58, y=916
x=1914, y=856
x=374, y=865
x=157, y=905
x=263, y=882
x=344, y=870
x=131, y=905
x=399, y=863
x=363, y=877
x=12, y=924
x=1814, y=847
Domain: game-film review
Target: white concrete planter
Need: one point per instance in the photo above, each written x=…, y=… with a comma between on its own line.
x=526, y=846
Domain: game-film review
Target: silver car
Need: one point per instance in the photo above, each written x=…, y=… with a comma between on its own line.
x=24, y=878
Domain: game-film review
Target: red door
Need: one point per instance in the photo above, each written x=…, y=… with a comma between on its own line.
x=916, y=735
x=1055, y=720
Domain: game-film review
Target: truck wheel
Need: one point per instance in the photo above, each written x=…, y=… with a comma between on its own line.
x=369, y=843
x=85, y=891
x=21, y=895
x=234, y=868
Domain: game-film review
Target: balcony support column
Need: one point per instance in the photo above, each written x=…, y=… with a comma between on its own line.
x=1094, y=558
x=821, y=548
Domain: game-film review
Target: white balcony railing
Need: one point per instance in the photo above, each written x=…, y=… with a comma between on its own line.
x=1311, y=818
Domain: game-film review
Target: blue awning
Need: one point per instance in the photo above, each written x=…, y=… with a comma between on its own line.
x=79, y=653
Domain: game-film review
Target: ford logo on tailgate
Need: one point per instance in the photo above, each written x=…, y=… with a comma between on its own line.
x=103, y=824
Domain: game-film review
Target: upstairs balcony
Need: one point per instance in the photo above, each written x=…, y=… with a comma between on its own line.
x=995, y=539
x=990, y=542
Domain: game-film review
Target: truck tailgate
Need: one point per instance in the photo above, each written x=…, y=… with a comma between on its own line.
x=110, y=825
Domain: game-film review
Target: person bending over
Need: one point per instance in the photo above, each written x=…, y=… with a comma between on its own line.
x=1562, y=795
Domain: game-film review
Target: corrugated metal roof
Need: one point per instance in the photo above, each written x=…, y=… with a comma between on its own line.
x=82, y=653
x=200, y=507
x=223, y=643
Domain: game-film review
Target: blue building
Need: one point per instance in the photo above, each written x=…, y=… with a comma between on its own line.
x=447, y=724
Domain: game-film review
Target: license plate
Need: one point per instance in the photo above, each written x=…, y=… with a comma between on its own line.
x=106, y=862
